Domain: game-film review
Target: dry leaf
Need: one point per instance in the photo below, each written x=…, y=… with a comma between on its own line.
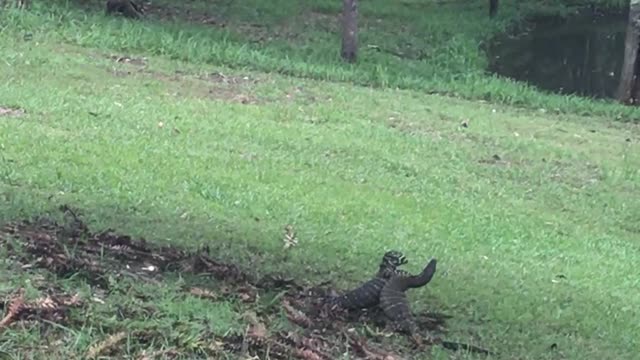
x=16, y=306
x=204, y=293
x=105, y=345
x=289, y=239
x=246, y=297
x=360, y=346
x=307, y=354
x=296, y=316
x=72, y=301
x=257, y=331
x=159, y=354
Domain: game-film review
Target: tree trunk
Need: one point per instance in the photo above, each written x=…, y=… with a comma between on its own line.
x=349, y=30
x=628, y=88
x=127, y=8
x=493, y=8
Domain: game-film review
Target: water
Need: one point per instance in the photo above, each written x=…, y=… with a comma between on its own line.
x=581, y=55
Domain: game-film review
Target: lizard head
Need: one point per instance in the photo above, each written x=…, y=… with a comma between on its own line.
x=393, y=259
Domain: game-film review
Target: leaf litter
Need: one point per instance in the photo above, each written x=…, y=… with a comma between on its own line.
x=316, y=331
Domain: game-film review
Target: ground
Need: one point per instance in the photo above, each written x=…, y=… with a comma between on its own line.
x=528, y=203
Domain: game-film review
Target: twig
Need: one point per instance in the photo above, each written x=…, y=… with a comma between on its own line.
x=296, y=316
x=16, y=306
x=105, y=345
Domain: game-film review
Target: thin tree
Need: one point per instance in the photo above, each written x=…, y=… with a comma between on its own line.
x=493, y=8
x=127, y=8
x=629, y=89
x=349, y=30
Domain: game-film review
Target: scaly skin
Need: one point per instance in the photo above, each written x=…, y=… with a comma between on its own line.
x=387, y=289
x=394, y=302
x=368, y=294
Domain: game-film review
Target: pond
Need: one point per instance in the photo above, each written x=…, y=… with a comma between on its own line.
x=580, y=55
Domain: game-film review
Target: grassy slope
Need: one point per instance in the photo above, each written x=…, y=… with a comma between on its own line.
x=439, y=42
x=356, y=170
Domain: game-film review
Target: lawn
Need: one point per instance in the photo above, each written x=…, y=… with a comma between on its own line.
x=181, y=135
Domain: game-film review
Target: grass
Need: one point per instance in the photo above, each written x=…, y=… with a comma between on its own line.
x=164, y=148
x=439, y=52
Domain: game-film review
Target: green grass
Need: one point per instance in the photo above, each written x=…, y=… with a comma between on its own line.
x=191, y=158
x=440, y=52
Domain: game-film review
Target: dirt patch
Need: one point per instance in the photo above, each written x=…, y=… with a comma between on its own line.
x=237, y=88
x=494, y=160
x=577, y=175
x=230, y=88
x=220, y=78
x=182, y=84
x=10, y=111
x=129, y=60
x=292, y=29
x=184, y=12
x=70, y=249
x=413, y=128
x=213, y=86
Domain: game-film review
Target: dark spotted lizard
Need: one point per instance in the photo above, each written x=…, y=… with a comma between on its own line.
x=394, y=303
x=368, y=294
x=387, y=289
x=393, y=299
